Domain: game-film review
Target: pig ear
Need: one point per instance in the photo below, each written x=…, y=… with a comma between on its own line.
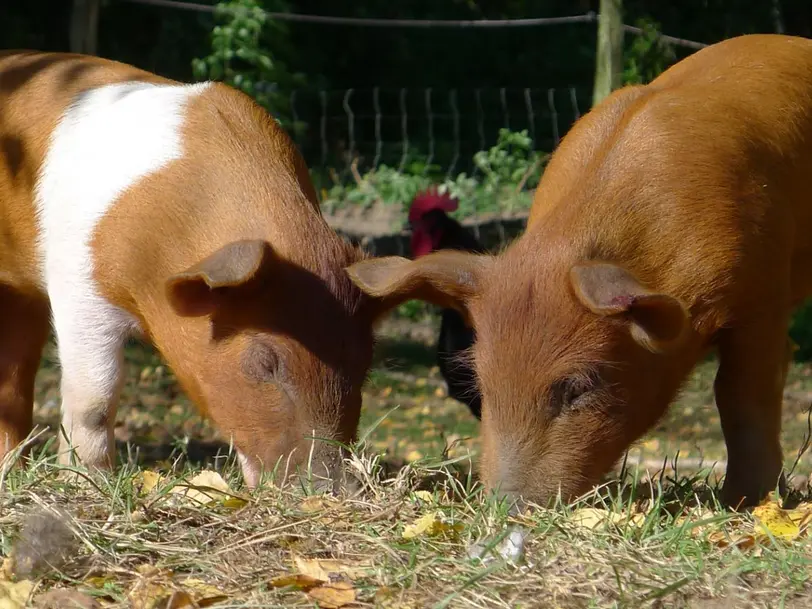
x=196, y=291
x=447, y=278
x=658, y=320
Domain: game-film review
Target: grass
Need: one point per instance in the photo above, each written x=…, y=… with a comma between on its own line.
x=663, y=542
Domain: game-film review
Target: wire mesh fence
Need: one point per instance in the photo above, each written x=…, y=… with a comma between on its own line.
x=429, y=132
x=443, y=127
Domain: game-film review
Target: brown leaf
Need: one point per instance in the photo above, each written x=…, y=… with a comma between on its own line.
x=316, y=504
x=66, y=599
x=723, y=539
x=296, y=580
x=156, y=590
x=203, y=594
x=334, y=594
x=326, y=569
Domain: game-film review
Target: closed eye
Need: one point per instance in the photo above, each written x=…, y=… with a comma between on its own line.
x=261, y=363
x=572, y=391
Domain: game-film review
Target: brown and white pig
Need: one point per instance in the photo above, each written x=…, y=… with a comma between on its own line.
x=674, y=218
x=134, y=205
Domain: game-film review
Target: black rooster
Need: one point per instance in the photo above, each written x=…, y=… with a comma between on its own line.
x=433, y=229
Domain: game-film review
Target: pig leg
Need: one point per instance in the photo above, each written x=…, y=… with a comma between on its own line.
x=23, y=331
x=749, y=386
x=90, y=334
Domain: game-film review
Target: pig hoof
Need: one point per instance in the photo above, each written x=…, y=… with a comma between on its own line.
x=511, y=548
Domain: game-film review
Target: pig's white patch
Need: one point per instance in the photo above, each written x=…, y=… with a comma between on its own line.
x=108, y=139
x=250, y=471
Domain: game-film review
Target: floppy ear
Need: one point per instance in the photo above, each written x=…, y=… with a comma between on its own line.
x=447, y=278
x=197, y=290
x=658, y=321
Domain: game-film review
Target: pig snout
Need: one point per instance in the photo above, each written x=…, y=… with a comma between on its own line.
x=313, y=464
x=326, y=471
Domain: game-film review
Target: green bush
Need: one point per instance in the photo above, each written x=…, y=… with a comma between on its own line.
x=241, y=56
x=648, y=55
x=508, y=170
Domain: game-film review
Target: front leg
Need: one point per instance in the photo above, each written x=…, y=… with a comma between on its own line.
x=749, y=386
x=90, y=337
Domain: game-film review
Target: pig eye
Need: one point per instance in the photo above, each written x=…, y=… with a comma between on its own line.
x=567, y=393
x=260, y=362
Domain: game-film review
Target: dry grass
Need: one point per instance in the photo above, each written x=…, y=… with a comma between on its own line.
x=107, y=538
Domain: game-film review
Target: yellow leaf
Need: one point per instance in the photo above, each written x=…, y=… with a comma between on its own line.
x=202, y=593
x=316, y=504
x=801, y=515
x=333, y=595
x=414, y=455
x=430, y=525
x=296, y=580
x=100, y=581
x=6, y=568
x=386, y=392
x=421, y=382
x=424, y=496
x=774, y=520
x=148, y=481
x=208, y=488
x=653, y=444
x=149, y=595
x=592, y=518
x=14, y=595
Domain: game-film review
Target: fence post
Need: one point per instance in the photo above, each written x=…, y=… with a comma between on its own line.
x=609, y=59
x=84, y=26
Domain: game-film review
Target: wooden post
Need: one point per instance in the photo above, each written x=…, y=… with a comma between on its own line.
x=84, y=26
x=609, y=59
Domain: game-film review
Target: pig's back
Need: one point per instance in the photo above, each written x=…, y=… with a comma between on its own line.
x=698, y=182
x=53, y=128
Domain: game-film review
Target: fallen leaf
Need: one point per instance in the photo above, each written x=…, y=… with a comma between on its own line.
x=295, y=580
x=334, y=594
x=147, y=481
x=775, y=521
x=14, y=595
x=316, y=504
x=325, y=569
x=392, y=598
x=414, y=455
x=424, y=496
x=66, y=599
x=208, y=488
x=147, y=594
x=801, y=515
x=724, y=539
x=100, y=581
x=592, y=518
x=155, y=590
x=430, y=525
x=202, y=593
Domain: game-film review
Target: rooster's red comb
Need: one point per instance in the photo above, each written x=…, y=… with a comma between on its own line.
x=428, y=200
